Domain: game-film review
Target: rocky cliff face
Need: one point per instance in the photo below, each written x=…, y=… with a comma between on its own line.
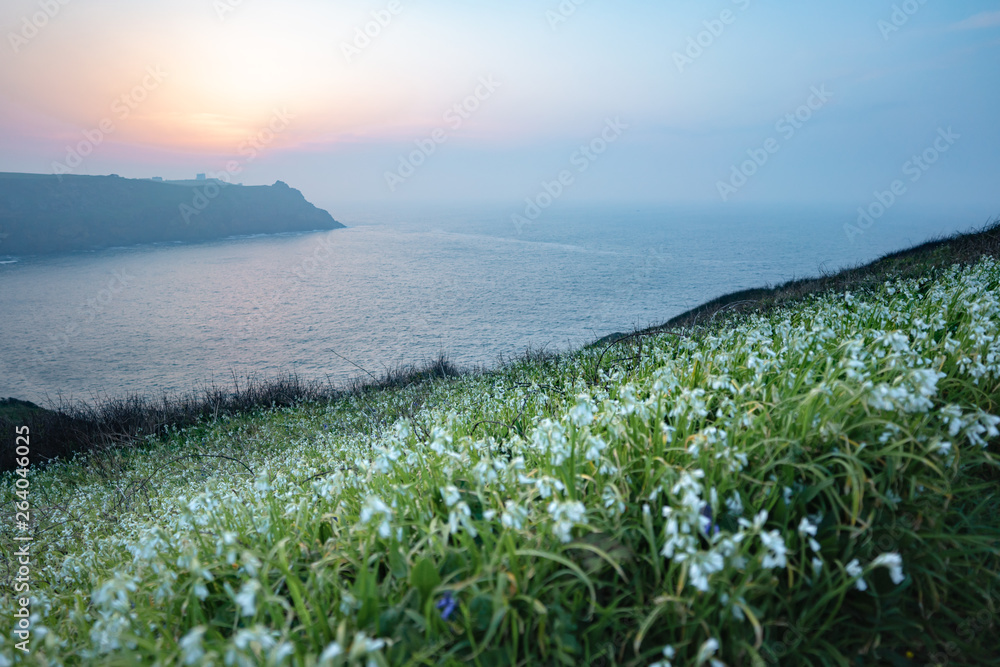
x=46, y=214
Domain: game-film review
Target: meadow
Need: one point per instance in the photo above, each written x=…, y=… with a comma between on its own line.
x=810, y=483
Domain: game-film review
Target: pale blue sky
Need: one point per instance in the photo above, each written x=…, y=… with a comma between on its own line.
x=355, y=113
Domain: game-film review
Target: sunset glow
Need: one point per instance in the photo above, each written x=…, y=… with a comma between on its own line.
x=362, y=83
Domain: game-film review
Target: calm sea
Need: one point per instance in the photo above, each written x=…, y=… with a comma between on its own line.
x=399, y=286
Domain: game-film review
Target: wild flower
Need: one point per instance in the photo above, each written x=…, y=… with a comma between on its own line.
x=441, y=440
x=701, y=565
x=514, y=516
x=192, y=647
x=983, y=424
x=734, y=609
x=461, y=515
x=734, y=503
x=348, y=603
x=668, y=655
x=332, y=650
x=564, y=516
x=176, y=540
x=758, y=521
x=249, y=642
x=582, y=413
x=612, y=500
x=808, y=530
x=894, y=563
x=776, y=550
x=451, y=495
x=447, y=605
x=373, y=508
x=855, y=571
x=595, y=445
x=364, y=645
x=709, y=526
x=113, y=595
x=545, y=485
x=706, y=652
x=246, y=599
x=550, y=438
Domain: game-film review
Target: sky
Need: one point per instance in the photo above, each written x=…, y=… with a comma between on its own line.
x=722, y=102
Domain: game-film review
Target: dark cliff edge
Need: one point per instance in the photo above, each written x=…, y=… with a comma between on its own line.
x=47, y=214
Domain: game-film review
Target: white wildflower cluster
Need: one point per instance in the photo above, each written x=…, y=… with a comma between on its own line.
x=537, y=462
x=910, y=393
x=374, y=508
x=564, y=516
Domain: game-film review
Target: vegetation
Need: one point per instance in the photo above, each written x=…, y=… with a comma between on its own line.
x=112, y=422
x=813, y=483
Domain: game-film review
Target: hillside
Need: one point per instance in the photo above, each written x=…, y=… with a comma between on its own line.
x=47, y=214
x=814, y=482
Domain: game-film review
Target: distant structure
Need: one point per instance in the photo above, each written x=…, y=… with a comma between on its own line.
x=200, y=177
x=157, y=178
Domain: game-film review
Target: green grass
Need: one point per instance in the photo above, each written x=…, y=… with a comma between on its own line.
x=814, y=482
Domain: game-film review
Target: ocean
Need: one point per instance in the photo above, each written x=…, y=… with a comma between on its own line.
x=401, y=285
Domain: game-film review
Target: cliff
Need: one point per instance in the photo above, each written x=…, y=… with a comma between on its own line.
x=45, y=214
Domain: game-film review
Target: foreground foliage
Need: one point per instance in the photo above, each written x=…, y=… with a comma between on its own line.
x=817, y=485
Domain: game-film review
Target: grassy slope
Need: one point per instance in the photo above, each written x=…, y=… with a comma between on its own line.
x=848, y=435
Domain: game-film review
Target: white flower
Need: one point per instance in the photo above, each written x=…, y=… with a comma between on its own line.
x=706, y=652
x=461, y=514
x=582, y=413
x=375, y=507
x=758, y=521
x=701, y=566
x=330, y=652
x=513, y=516
x=734, y=503
x=807, y=529
x=282, y=651
x=191, y=645
x=247, y=637
x=595, y=446
x=894, y=563
x=564, y=516
x=545, y=485
x=668, y=654
x=440, y=440
x=348, y=603
x=364, y=645
x=451, y=495
x=612, y=500
x=550, y=438
x=263, y=483
x=775, y=557
x=817, y=564
x=854, y=570
x=246, y=599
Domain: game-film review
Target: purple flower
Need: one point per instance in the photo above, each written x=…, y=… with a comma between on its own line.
x=706, y=511
x=447, y=605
